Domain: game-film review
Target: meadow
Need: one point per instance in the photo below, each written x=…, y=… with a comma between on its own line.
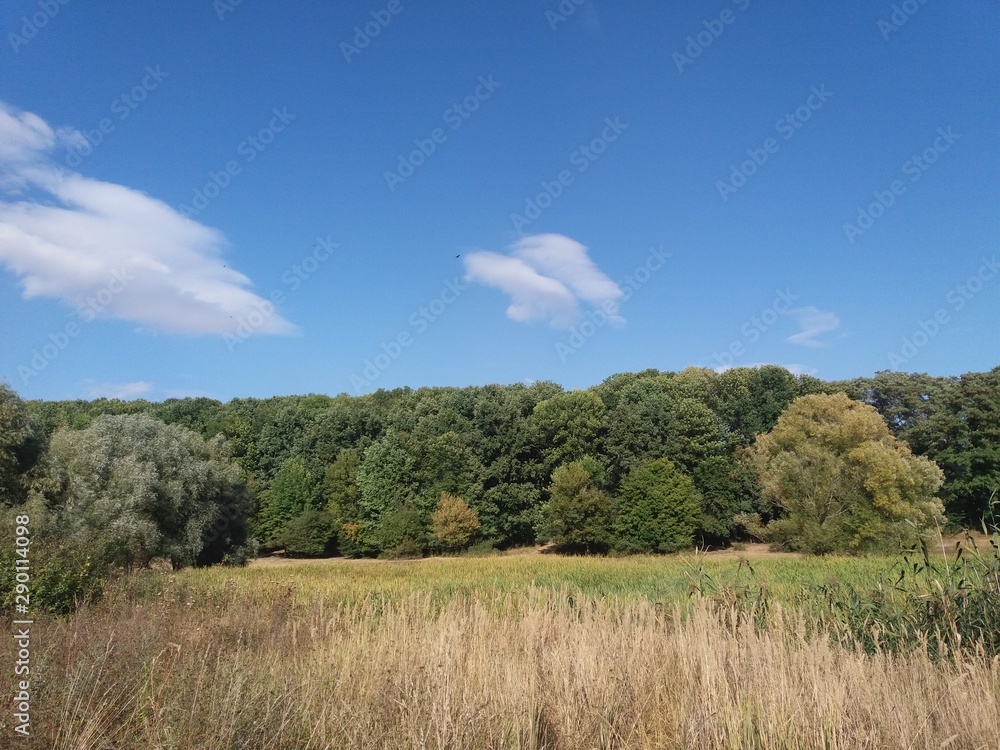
x=513, y=651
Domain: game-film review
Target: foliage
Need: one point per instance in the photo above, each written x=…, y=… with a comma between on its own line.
x=19, y=447
x=570, y=424
x=578, y=515
x=292, y=493
x=401, y=532
x=365, y=458
x=313, y=533
x=941, y=605
x=454, y=523
x=726, y=489
x=962, y=435
x=63, y=572
x=841, y=481
x=657, y=509
x=340, y=486
x=131, y=488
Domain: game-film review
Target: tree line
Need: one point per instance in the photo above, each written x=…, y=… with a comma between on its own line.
x=646, y=461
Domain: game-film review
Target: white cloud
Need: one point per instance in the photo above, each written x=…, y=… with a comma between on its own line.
x=546, y=276
x=121, y=391
x=79, y=235
x=814, y=323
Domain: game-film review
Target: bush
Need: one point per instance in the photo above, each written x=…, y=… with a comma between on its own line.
x=658, y=509
x=941, y=605
x=63, y=574
x=401, y=532
x=454, y=523
x=312, y=534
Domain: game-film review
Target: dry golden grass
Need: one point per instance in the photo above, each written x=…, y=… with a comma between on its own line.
x=262, y=667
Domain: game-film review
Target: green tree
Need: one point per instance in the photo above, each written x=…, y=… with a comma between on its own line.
x=726, y=489
x=313, y=533
x=292, y=492
x=19, y=449
x=639, y=425
x=340, y=486
x=386, y=477
x=454, y=523
x=401, y=531
x=569, y=426
x=578, y=515
x=507, y=513
x=841, y=481
x=962, y=435
x=749, y=400
x=132, y=488
x=658, y=509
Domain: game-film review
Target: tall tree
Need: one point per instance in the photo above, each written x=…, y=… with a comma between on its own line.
x=19, y=448
x=135, y=488
x=657, y=509
x=841, y=480
x=292, y=492
x=569, y=426
x=962, y=435
x=578, y=515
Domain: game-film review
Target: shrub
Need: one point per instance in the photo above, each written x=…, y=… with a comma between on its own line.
x=945, y=606
x=311, y=534
x=401, y=532
x=63, y=573
x=454, y=523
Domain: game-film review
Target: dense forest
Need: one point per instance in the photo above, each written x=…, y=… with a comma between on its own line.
x=406, y=472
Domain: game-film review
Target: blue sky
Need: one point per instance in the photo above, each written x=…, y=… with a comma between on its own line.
x=253, y=198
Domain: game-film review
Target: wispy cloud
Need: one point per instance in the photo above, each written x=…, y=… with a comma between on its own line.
x=66, y=236
x=813, y=323
x=547, y=277
x=121, y=391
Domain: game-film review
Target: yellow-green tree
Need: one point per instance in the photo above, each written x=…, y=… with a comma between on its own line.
x=840, y=481
x=454, y=523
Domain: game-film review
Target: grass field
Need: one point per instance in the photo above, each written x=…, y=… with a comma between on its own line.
x=516, y=651
x=661, y=579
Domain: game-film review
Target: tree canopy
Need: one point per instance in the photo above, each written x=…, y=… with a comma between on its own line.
x=375, y=466
x=841, y=480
